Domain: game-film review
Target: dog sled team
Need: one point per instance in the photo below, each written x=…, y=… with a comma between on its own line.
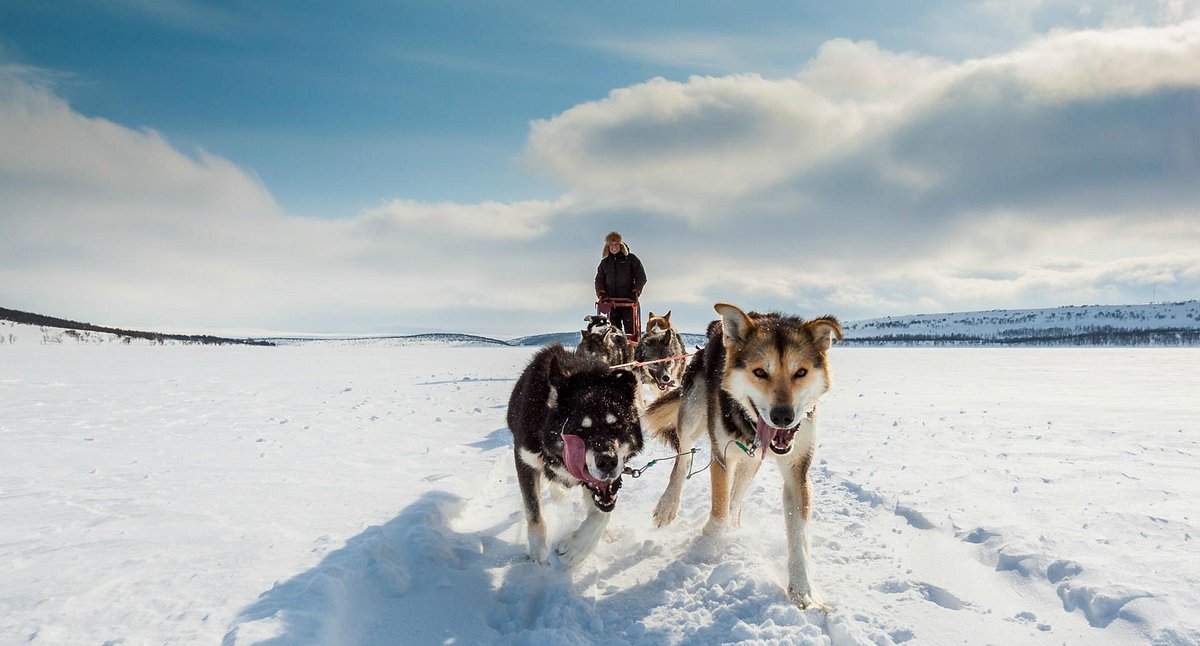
x=577, y=417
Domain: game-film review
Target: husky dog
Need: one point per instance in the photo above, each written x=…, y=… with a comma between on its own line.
x=574, y=423
x=756, y=383
x=604, y=342
x=661, y=341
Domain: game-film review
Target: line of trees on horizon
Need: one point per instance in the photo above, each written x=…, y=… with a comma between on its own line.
x=29, y=318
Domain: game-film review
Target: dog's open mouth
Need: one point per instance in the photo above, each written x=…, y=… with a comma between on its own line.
x=779, y=439
x=604, y=493
x=666, y=385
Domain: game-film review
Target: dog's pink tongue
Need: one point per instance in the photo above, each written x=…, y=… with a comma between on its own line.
x=575, y=456
x=766, y=435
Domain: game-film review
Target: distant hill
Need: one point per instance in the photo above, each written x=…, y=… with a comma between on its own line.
x=430, y=339
x=567, y=339
x=1153, y=324
x=88, y=333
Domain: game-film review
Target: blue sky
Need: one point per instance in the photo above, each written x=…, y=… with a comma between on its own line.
x=338, y=108
x=891, y=153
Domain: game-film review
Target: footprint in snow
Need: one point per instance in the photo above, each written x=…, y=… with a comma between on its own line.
x=1099, y=605
x=979, y=535
x=1063, y=569
x=913, y=517
x=932, y=593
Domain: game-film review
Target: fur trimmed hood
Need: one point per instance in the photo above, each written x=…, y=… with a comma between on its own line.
x=624, y=250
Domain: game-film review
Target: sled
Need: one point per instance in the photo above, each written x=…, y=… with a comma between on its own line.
x=606, y=306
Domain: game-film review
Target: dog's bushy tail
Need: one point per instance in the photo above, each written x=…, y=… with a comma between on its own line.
x=662, y=418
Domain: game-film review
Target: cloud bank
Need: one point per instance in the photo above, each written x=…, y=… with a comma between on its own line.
x=895, y=176
x=868, y=183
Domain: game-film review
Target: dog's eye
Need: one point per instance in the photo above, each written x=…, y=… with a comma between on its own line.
x=800, y=373
x=760, y=373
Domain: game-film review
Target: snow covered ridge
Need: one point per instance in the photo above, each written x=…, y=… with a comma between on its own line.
x=25, y=327
x=28, y=328
x=1153, y=324
x=423, y=340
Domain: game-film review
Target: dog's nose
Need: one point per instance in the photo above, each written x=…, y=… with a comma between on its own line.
x=665, y=378
x=782, y=416
x=606, y=463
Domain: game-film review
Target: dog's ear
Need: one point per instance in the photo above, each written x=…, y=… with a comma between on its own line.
x=735, y=325
x=823, y=331
x=667, y=317
x=650, y=316
x=556, y=375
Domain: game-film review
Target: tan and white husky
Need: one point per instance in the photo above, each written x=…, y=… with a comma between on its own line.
x=756, y=384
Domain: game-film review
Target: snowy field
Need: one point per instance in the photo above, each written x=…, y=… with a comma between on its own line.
x=325, y=494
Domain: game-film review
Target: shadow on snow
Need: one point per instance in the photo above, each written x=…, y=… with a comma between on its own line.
x=418, y=580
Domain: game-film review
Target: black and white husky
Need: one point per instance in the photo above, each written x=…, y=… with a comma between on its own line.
x=604, y=342
x=574, y=423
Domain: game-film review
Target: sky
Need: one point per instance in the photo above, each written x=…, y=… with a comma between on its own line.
x=402, y=166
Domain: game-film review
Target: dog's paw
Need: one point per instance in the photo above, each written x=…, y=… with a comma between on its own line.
x=665, y=512
x=539, y=552
x=805, y=599
x=575, y=549
x=541, y=557
x=714, y=528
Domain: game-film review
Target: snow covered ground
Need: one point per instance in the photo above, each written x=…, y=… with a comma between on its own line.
x=328, y=494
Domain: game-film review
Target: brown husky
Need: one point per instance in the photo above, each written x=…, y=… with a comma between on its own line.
x=756, y=384
x=662, y=345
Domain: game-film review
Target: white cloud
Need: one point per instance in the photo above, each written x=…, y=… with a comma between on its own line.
x=117, y=225
x=51, y=150
x=890, y=182
x=1089, y=64
x=1074, y=263
x=712, y=137
x=861, y=72
x=868, y=183
x=493, y=220
x=688, y=144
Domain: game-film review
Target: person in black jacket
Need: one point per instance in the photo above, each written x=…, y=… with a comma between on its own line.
x=620, y=275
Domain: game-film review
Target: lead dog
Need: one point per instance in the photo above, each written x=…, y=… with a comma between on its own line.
x=574, y=423
x=757, y=382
